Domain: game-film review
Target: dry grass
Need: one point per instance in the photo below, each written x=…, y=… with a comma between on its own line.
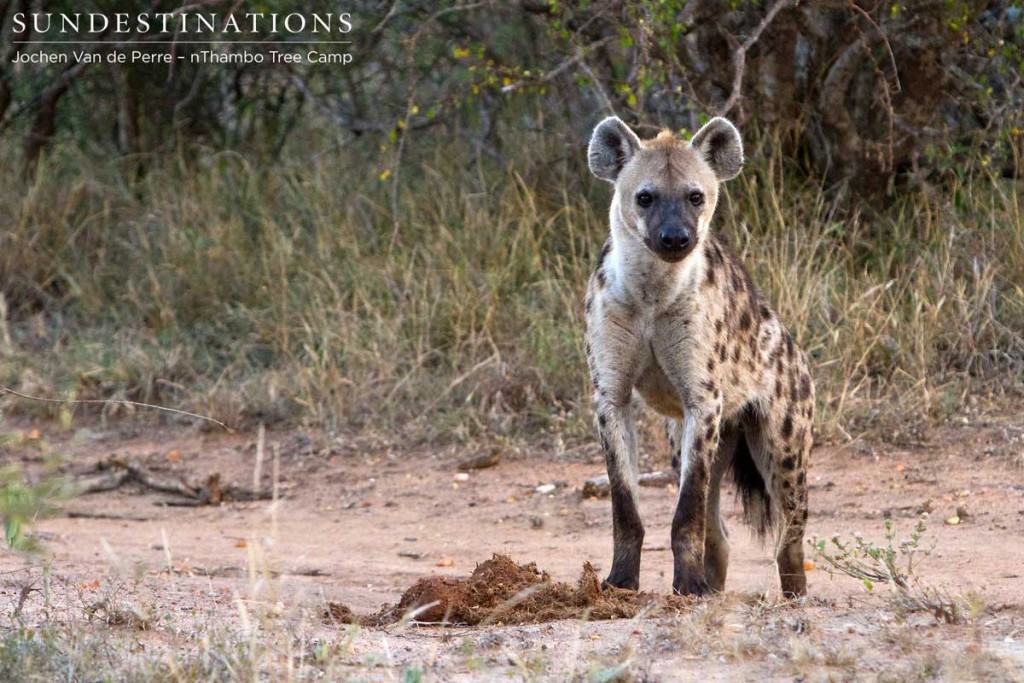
x=289, y=293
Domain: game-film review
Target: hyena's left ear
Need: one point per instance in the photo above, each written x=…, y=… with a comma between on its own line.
x=720, y=144
x=612, y=145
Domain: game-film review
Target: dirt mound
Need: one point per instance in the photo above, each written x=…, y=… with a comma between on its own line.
x=501, y=591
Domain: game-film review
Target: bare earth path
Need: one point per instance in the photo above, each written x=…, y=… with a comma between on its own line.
x=357, y=523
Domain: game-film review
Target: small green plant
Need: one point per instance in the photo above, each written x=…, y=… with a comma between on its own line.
x=870, y=563
x=22, y=502
x=893, y=563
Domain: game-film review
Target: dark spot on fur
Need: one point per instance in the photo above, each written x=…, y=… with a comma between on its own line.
x=745, y=321
x=778, y=388
x=605, y=250
x=721, y=353
x=709, y=434
x=793, y=391
x=788, y=464
x=711, y=364
x=718, y=326
x=709, y=275
x=736, y=354
x=805, y=387
x=765, y=312
x=800, y=479
x=600, y=277
x=708, y=386
x=709, y=420
x=698, y=444
x=737, y=280
x=787, y=426
x=786, y=484
x=601, y=419
x=789, y=345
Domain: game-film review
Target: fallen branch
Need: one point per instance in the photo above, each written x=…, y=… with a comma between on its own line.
x=116, y=472
x=600, y=487
x=82, y=514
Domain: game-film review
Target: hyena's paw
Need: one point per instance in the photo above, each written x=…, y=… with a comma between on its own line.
x=692, y=583
x=621, y=580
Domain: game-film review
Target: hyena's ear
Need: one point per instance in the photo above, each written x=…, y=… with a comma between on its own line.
x=719, y=143
x=612, y=145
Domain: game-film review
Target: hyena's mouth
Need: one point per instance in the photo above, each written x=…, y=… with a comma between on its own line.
x=671, y=253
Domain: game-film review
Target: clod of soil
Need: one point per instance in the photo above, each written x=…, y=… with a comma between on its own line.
x=501, y=591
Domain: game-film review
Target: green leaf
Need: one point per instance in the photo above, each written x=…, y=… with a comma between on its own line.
x=12, y=530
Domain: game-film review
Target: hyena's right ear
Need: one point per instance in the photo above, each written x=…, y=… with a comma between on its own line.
x=612, y=145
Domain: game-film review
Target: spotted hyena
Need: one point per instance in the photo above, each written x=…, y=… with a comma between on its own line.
x=672, y=313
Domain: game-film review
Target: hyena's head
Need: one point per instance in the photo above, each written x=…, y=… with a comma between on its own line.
x=666, y=189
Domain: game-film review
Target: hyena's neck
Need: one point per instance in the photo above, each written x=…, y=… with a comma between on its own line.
x=642, y=279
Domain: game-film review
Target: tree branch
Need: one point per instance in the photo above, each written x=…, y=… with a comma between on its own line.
x=739, y=57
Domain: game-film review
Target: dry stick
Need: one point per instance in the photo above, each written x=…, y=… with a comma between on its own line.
x=257, y=471
x=739, y=57
x=106, y=401
x=605, y=100
x=886, y=94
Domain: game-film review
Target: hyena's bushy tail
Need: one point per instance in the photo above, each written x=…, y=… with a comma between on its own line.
x=757, y=506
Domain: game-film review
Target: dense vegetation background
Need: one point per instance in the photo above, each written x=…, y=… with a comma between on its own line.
x=403, y=242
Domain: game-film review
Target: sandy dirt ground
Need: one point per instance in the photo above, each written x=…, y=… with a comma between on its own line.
x=358, y=521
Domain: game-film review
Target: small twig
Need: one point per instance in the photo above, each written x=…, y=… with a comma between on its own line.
x=107, y=401
x=575, y=59
x=26, y=590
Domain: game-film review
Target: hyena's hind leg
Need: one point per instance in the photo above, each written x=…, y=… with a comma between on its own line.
x=784, y=444
x=773, y=484
x=789, y=483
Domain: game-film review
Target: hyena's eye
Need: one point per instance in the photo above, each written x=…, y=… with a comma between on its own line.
x=644, y=199
x=696, y=198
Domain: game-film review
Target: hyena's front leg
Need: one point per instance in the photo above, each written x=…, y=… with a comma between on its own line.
x=616, y=426
x=700, y=439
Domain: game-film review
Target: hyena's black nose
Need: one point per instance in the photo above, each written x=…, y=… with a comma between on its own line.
x=675, y=239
